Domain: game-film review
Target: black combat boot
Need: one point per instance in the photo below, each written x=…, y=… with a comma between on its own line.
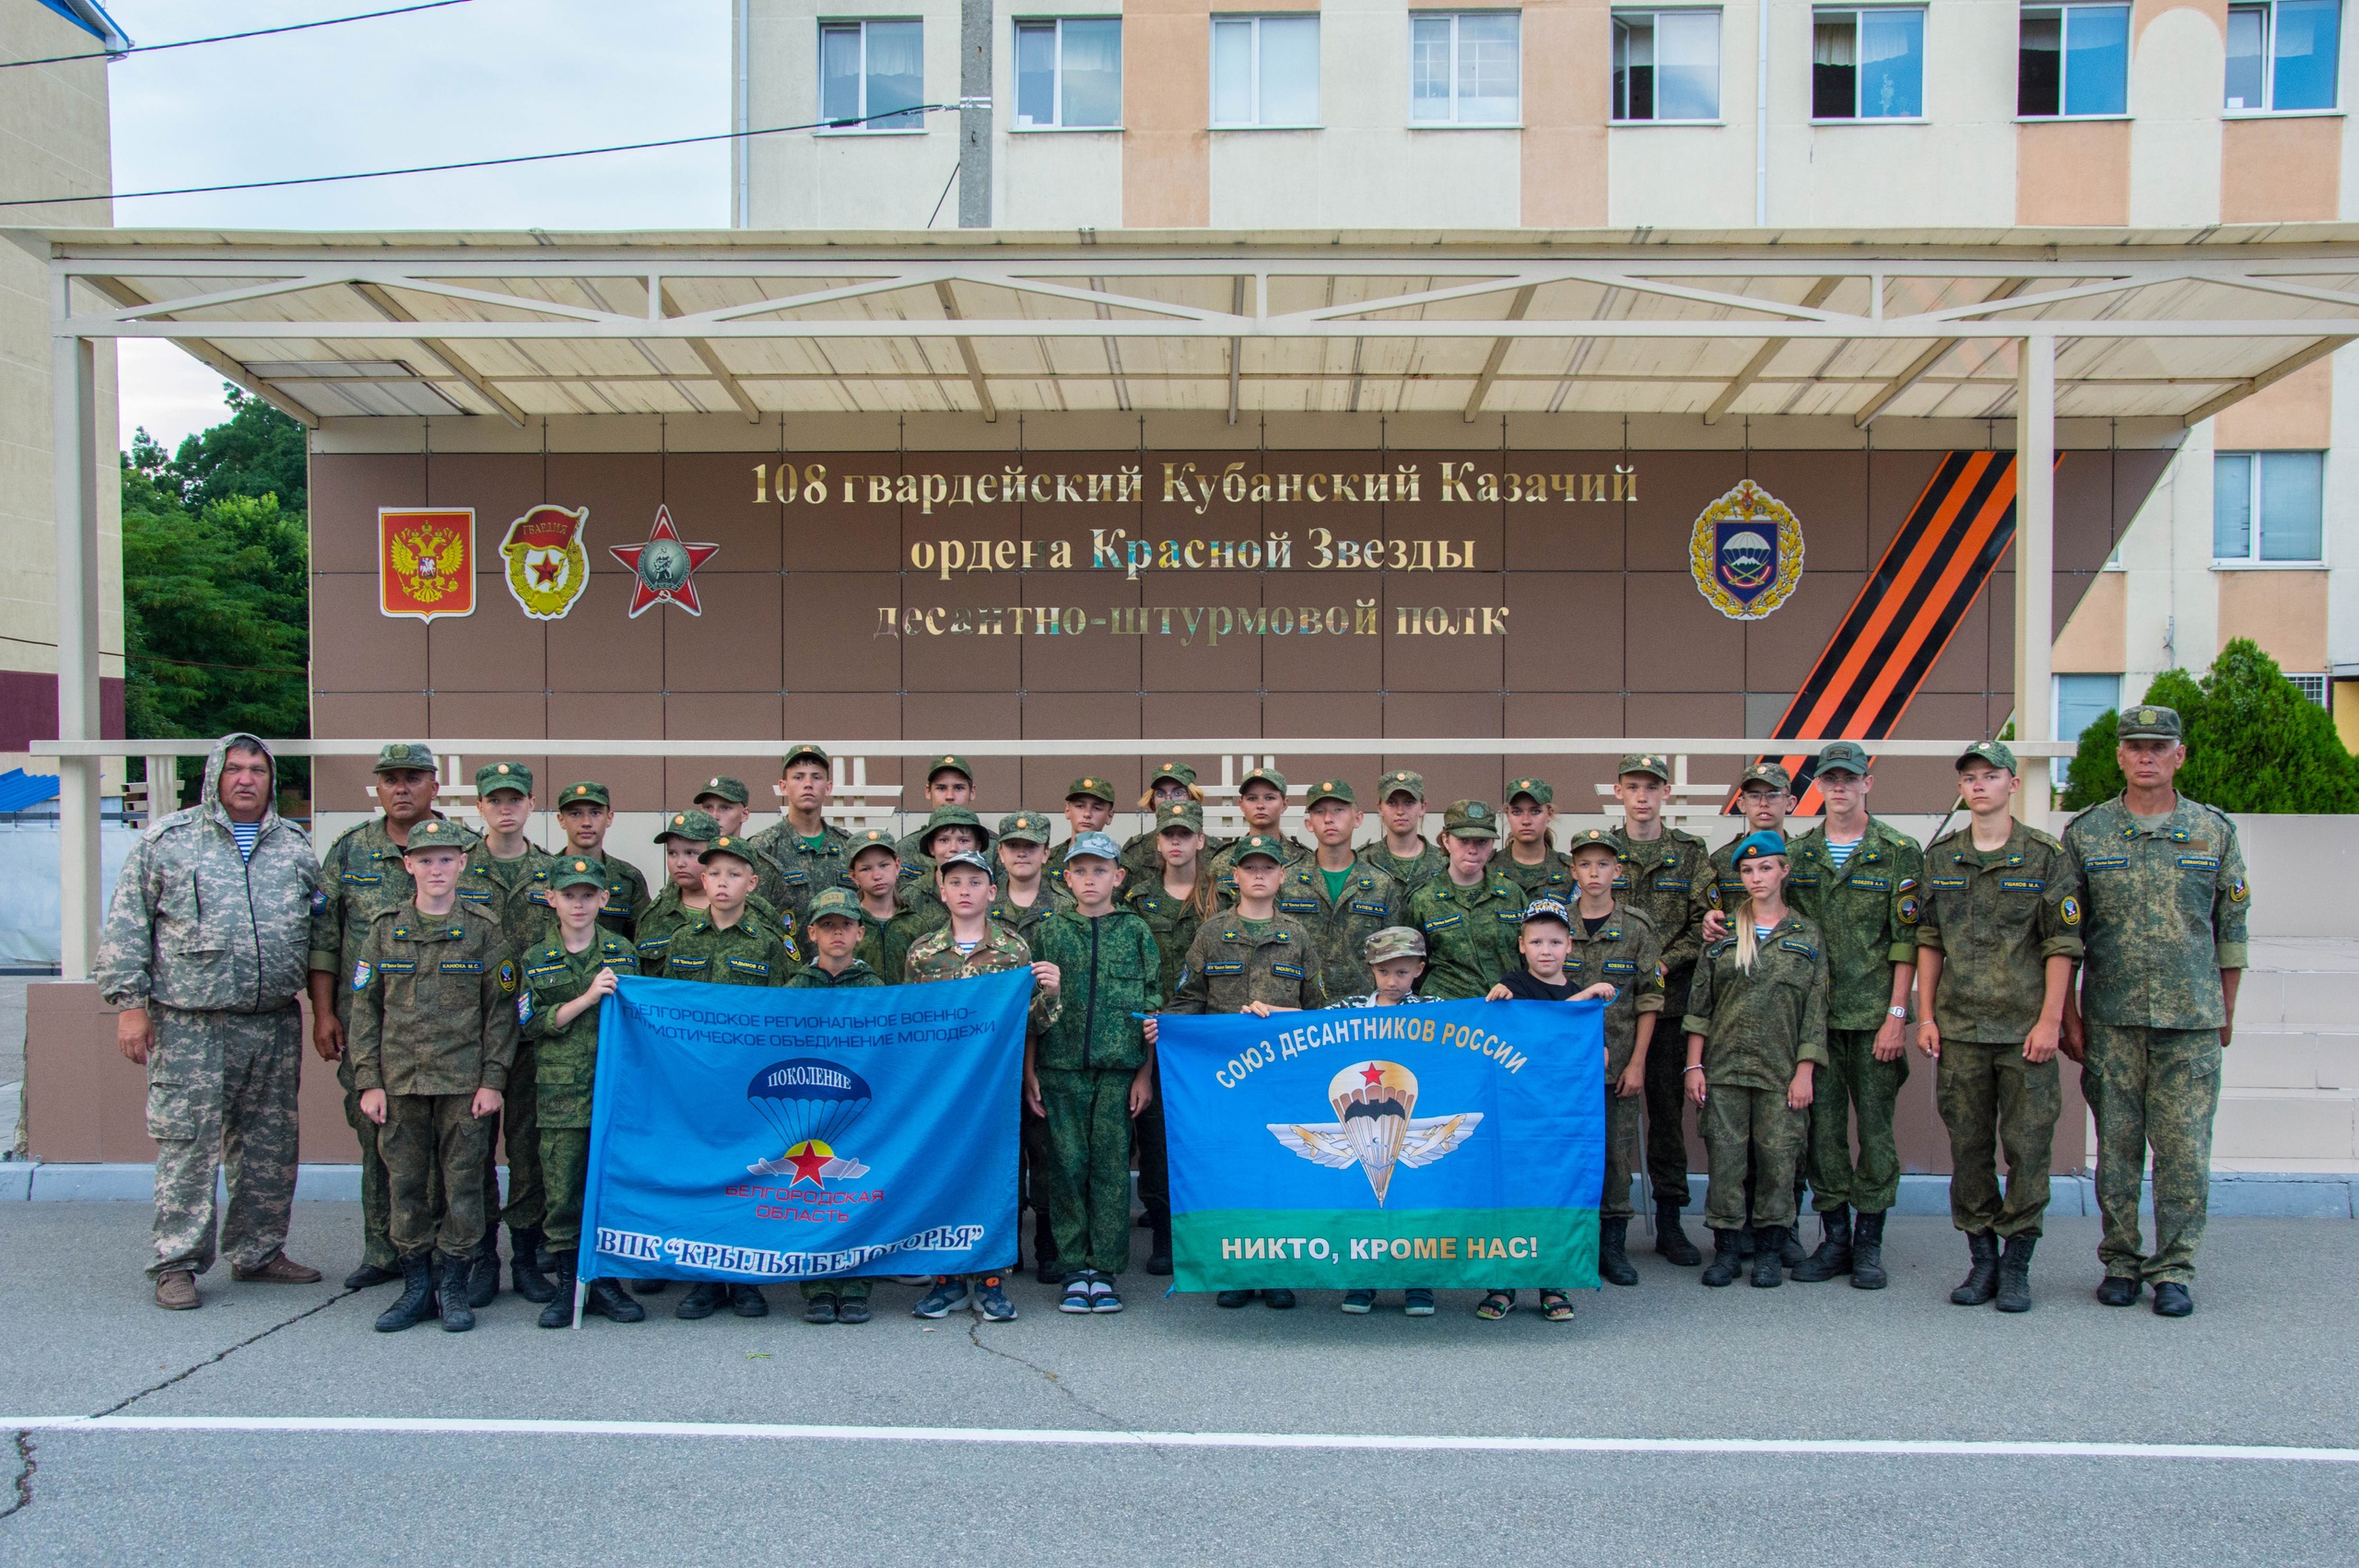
x=458, y=1293
x=747, y=1300
x=370, y=1274
x=1789, y=1251
x=1671, y=1241
x=559, y=1312
x=606, y=1300
x=1834, y=1253
x=2014, y=1274
x=1725, y=1263
x=1158, y=1252
x=1614, y=1252
x=416, y=1303
x=483, y=1270
x=1768, y=1256
x=1866, y=1253
x=703, y=1300
x=524, y=1268
x=1982, y=1281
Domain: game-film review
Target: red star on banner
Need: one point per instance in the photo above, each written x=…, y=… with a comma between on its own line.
x=807, y=1164
x=1371, y=1073
x=666, y=574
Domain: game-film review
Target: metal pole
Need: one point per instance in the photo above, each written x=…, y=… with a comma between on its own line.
x=2035, y=558
x=974, y=113
x=1761, y=119
x=74, y=425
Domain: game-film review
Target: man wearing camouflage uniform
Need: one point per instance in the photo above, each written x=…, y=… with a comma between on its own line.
x=2164, y=929
x=204, y=951
x=802, y=854
x=362, y=876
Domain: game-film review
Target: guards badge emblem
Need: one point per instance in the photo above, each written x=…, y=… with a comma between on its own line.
x=1746, y=552
x=548, y=568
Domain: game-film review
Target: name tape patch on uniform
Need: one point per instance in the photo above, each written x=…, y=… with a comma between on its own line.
x=1231, y=966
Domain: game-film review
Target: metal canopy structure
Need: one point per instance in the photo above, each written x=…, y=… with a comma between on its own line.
x=1867, y=326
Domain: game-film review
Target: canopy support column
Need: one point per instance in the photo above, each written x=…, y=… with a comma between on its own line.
x=75, y=418
x=2035, y=561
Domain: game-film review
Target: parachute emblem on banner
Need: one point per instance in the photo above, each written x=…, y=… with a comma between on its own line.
x=1377, y=1131
x=809, y=1102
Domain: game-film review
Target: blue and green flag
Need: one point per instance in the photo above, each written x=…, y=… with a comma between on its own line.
x=1459, y=1144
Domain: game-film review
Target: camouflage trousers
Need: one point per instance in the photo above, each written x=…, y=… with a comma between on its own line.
x=1667, y=1096
x=1090, y=1166
x=376, y=1238
x=1750, y=1132
x=221, y=1098
x=1624, y=1130
x=1990, y=1097
x=564, y=1165
x=424, y=1134
x=519, y=1118
x=2154, y=1088
x=1856, y=1085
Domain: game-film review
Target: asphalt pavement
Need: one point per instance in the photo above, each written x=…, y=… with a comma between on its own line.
x=2268, y=1360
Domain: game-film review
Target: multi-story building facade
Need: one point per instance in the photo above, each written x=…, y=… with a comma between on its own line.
x=1954, y=115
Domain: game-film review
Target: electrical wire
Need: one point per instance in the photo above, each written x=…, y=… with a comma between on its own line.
x=483, y=162
x=230, y=37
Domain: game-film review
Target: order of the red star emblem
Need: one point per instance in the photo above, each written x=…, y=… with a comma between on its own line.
x=664, y=567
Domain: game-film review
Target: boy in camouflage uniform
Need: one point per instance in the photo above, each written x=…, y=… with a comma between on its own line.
x=1091, y=1072
x=1396, y=962
x=1764, y=795
x=1174, y=921
x=802, y=854
x=1667, y=875
x=1470, y=914
x=433, y=1035
x=2158, y=993
x=949, y=781
x=834, y=933
x=683, y=837
x=873, y=871
x=1614, y=942
x=565, y=980
x=1531, y=860
x=1340, y=900
x=1261, y=801
x=951, y=830
x=2001, y=898
x=1089, y=806
x=727, y=801
x=1402, y=848
x=1858, y=880
x=1026, y=896
x=586, y=810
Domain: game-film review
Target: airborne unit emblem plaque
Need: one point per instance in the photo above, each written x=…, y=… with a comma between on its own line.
x=1746, y=552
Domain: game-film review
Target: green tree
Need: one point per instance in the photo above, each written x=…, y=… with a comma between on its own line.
x=256, y=452
x=2254, y=742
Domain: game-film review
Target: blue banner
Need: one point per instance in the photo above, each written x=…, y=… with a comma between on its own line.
x=746, y=1134
x=1461, y=1144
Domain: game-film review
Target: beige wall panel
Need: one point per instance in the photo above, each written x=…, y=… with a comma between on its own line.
x=2296, y=414
x=2070, y=172
x=2093, y=640
x=2286, y=170
x=1566, y=98
x=1166, y=94
x=2177, y=60
x=1056, y=179
x=2284, y=611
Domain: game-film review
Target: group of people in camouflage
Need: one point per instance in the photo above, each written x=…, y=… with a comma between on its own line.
x=454, y=978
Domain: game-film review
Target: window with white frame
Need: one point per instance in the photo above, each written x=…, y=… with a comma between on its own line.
x=1069, y=73
x=870, y=73
x=2072, y=60
x=1666, y=66
x=2268, y=507
x=1465, y=68
x=2283, y=54
x=2081, y=701
x=1868, y=64
x=2313, y=688
x=1265, y=71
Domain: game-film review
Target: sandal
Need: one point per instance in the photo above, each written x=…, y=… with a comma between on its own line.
x=1556, y=1307
x=1496, y=1306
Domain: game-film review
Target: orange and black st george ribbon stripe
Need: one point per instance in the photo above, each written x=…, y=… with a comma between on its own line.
x=1904, y=615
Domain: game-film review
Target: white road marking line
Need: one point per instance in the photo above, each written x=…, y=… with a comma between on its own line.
x=774, y=1432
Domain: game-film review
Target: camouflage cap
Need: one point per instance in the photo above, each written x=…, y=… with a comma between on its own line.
x=1393, y=942
x=497, y=776
x=1330, y=789
x=1756, y=845
x=1402, y=783
x=732, y=790
x=869, y=838
x=1540, y=790
x=1267, y=845
x=724, y=844
x=698, y=828
x=835, y=904
x=1270, y=776
x=967, y=857
x=950, y=761
x=587, y=791
x=1548, y=909
x=1024, y=827
x=2148, y=722
x=1653, y=764
x=804, y=751
x=1843, y=757
x=1471, y=819
x=1995, y=752
x=1179, y=813
x=578, y=871
x=952, y=816
x=1591, y=838
x=1767, y=773
x=1090, y=789
x=394, y=755
x=1101, y=846
x=1178, y=771
x=439, y=833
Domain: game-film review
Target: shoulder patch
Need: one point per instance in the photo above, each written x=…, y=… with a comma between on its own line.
x=2238, y=892
x=2068, y=911
x=507, y=978
x=1908, y=910
x=319, y=900
x=362, y=975
x=524, y=1008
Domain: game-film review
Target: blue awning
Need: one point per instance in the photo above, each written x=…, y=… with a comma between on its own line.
x=19, y=790
x=92, y=18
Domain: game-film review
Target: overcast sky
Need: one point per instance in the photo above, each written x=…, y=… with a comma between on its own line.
x=483, y=80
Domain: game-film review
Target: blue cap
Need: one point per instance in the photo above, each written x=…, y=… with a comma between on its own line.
x=1098, y=844
x=1755, y=845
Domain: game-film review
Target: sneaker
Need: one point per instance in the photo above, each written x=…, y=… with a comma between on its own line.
x=1076, y=1294
x=991, y=1304
x=937, y=1303
x=852, y=1309
x=1278, y=1300
x=1417, y=1303
x=1358, y=1302
x=819, y=1309
x=1102, y=1294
